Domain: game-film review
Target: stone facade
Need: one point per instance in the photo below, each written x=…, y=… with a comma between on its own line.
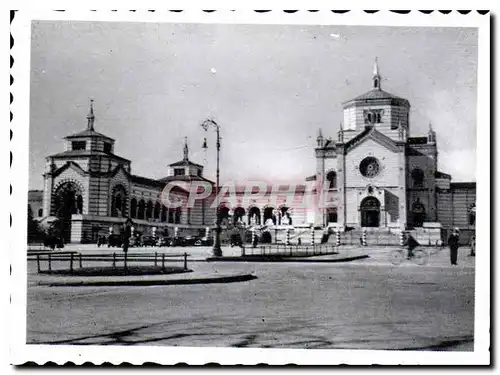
x=374, y=175
x=92, y=192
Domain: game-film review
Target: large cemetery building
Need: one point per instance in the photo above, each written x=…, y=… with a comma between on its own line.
x=373, y=174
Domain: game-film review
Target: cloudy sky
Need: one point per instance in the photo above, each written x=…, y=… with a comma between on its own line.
x=269, y=87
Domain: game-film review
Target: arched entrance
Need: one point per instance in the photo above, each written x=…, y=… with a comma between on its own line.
x=418, y=213
x=254, y=216
x=370, y=212
x=269, y=216
x=239, y=214
x=67, y=200
x=224, y=214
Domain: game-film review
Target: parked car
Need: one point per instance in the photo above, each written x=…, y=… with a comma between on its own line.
x=115, y=240
x=203, y=241
x=148, y=241
x=101, y=241
x=178, y=241
x=236, y=240
x=163, y=241
x=53, y=242
x=134, y=241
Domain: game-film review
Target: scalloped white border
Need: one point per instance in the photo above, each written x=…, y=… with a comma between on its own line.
x=19, y=352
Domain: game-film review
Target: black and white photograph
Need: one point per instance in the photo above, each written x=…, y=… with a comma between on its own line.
x=258, y=183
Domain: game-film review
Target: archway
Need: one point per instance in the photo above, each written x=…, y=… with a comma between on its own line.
x=133, y=208
x=67, y=200
x=269, y=216
x=239, y=214
x=141, y=209
x=118, y=201
x=285, y=216
x=370, y=212
x=254, y=216
x=223, y=214
x=418, y=213
x=331, y=178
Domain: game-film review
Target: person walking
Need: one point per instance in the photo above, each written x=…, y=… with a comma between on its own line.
x=412, y=244
x=126, y=233
x=473, y=246
x=453, y=244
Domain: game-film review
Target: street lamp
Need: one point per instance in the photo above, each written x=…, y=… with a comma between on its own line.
x=217, y=251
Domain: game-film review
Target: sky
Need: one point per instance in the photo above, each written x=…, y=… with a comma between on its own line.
x=269, y=87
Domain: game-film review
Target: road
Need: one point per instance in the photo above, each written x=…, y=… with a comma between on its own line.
x=365, y=304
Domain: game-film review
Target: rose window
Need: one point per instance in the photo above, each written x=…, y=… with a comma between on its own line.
x=369, y=167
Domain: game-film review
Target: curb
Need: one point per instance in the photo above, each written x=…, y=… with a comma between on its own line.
x=206, y=280
x=259, y=258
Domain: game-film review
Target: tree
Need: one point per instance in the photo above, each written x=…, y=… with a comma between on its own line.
x=34, y=231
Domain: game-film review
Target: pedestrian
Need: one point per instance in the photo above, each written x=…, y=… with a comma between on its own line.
x=473, y=246
x=127, y=232
x=453, y=244
x=412, y=244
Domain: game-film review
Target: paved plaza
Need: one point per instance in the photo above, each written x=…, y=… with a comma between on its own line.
x=366, y=304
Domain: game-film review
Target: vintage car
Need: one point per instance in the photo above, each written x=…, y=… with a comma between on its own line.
x=53, y=242
x=163, y=241
x=115, y=240
x=148, y=241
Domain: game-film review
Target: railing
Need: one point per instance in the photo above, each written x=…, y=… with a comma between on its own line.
x=75, y=259
x=291, y=250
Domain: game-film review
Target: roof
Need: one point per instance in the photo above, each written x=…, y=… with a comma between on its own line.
x=463, y=185
x=88, y=133
x=378, y=94
x=375, y=135
x=146, y=181
x=86, y=153
x=442, y=175
x=185, y=162
x=417, y=140
x=311, y=178
x=183, y=178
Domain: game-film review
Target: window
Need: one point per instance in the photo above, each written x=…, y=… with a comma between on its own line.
x=331, y=215
x=417, y=176
x=373, y=116
x=78, y=145
x=199, y=172
x=179, y=172
x=178, y=215
x=107, y=147
x=369, y=167
x=133, y=208
x=331, y=177
x=40, y=212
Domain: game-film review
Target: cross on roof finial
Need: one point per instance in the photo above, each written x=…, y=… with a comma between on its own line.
x=90, y=116
x=376, y=75
x=186, y=149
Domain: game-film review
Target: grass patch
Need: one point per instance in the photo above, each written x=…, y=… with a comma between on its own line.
x=118, y=271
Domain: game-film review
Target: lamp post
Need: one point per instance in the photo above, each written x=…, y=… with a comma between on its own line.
x=217, y=251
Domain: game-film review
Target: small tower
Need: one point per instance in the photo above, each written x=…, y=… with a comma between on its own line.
x=431, y=136
x=90, y=116
x=320, y=139
x=186, y=149
x=376, y=76
x=340, y=134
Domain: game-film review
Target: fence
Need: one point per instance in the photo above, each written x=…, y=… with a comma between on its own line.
x=75, y=259
x=291, y=250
